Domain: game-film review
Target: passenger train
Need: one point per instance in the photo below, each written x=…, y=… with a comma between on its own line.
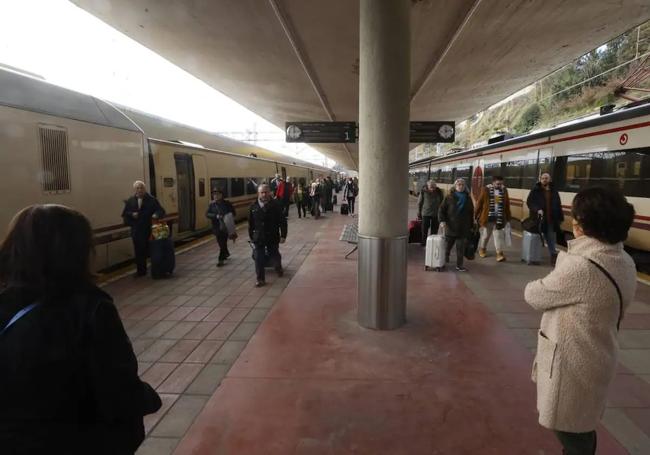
x=611, y=149
x=60, y=146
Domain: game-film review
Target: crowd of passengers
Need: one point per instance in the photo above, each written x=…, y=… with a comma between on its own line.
x=69, y=376
x=457, y=217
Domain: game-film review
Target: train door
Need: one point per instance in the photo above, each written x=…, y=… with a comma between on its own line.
x=185, y=187
x=202, y=195
x=284, y=173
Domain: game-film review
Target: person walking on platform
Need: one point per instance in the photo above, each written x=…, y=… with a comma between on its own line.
x=493, y=213
x=350, y=194
x=456, y=215
x=283, y=195
x=300, y=197
x=68, y=375
x=138, y=212
x=428, y=204
x=275, y=182
x=315, y=196
x=544, y=201
x=222, y=214
x=326, y=194
x=267, y=228
x=583, y=301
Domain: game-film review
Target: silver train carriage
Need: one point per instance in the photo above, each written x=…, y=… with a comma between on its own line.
x=63, y=147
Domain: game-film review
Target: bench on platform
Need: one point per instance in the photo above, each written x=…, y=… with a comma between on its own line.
x=350, y=234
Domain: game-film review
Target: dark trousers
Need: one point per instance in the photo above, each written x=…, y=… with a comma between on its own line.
x=285, y=207
x=261, y=251
x=577, y=443
x=460, y=249
x=351, y=203
x=222, y=240
x=429, y=222
x=301, y=206
x=141, y=249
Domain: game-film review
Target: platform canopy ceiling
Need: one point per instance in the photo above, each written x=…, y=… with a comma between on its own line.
x=298, y=60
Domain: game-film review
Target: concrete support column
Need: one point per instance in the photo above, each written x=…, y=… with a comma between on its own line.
x=384, y=80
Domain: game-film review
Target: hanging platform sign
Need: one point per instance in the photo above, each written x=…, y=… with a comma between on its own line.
x=433, y=132
x=321, y=132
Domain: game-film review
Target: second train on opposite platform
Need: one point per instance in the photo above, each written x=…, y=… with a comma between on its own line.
x=608, y=150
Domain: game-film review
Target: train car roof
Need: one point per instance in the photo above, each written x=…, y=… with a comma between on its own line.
x=168, y=130
x=617, y=116
x=31, y=94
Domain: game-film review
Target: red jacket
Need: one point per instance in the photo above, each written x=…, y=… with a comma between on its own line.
x=284, y=191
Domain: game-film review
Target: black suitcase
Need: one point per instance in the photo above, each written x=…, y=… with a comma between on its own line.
x=163, y=259
x=344, y=208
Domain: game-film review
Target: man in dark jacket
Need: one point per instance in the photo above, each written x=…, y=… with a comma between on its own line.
x=456, y=215
x=138, y=212
x=218, y=211
x=544, y=200
x=267, y=228
x=428, y=204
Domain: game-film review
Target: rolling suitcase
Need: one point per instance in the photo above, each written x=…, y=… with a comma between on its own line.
x=415, y=231
x=531, y=248
x=434, y=256
x=344, y=208
x=162, y=256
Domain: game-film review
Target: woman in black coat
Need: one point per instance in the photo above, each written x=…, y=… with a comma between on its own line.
x=68, y=375
x=456, y=214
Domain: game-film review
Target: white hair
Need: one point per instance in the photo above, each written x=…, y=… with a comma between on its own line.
x=457, y=181
x=262, y=186
x=137, y=183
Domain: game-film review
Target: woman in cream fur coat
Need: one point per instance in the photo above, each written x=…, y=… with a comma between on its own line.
x=577, y=346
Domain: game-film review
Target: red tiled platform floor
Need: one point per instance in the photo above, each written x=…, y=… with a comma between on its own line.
x=453, y=380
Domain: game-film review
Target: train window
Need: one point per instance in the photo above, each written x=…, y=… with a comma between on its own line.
x=168, y=182
x=624, y=170
x=545, y=165
x=201, y=187
x=490, y=170
x=578, y=172
x=529, y=174
x=445, y=176
x=251, y=184
x=237, y=187
x=464, y=173
x=221, y=184
x=512, y=172
x=54, y=158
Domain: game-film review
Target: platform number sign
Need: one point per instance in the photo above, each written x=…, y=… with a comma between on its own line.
x=321, y=132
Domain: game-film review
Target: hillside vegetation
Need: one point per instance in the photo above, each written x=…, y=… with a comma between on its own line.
x=573, y=91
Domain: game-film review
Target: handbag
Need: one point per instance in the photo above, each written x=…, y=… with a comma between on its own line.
x=532, y=225
x=508, y=234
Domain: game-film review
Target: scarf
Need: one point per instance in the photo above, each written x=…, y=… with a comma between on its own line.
x=496, y=206
x=460, y=202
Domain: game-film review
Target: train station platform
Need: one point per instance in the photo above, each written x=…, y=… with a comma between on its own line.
x=286, y=369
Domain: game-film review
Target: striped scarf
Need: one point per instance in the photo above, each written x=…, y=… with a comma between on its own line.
x=496, y=206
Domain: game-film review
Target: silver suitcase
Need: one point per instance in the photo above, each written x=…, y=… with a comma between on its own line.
x=434, y=256
x=531, y=248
